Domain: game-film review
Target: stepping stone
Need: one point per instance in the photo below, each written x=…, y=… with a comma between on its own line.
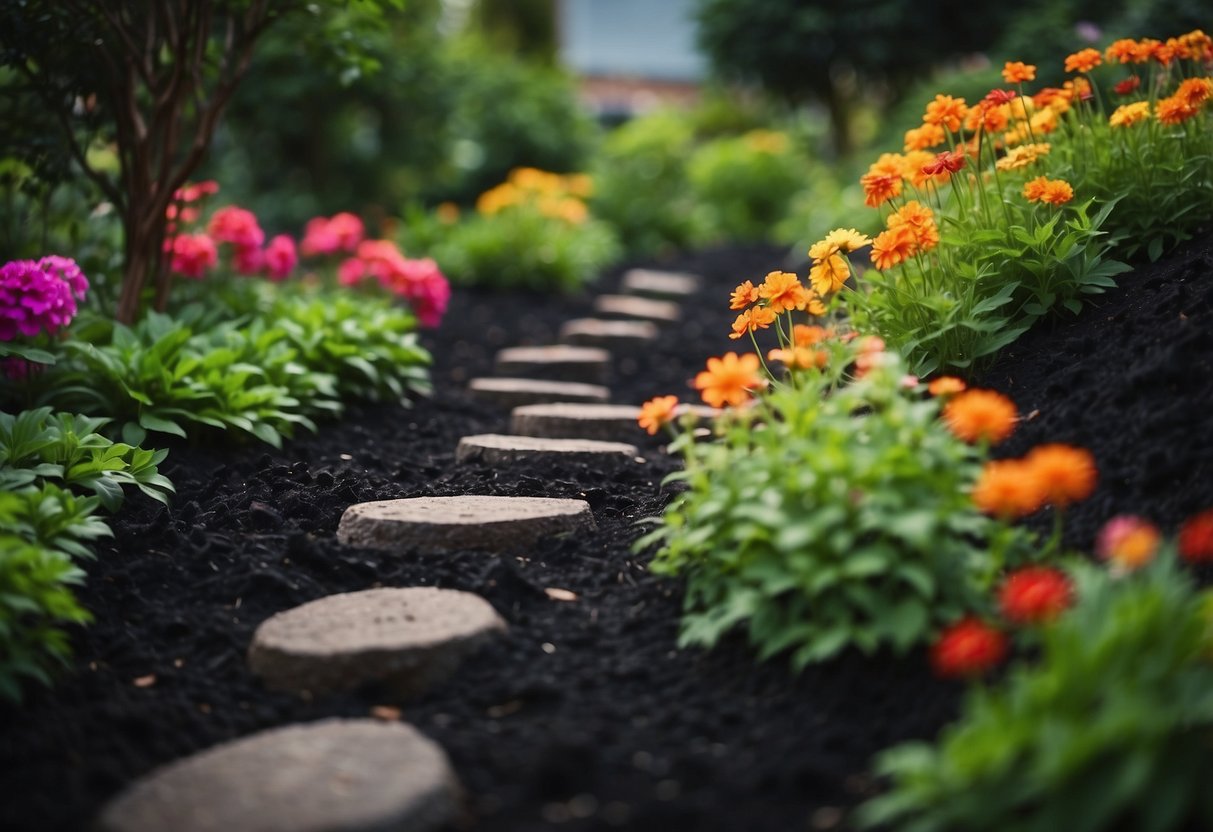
x=603, y=422
x=496, y=449
x=658, y=284
x=513, y=392
x=631, y=306
x=596, y=332
x=443, y=524
x=405, y=639
x=335, y=775
x=560, y=362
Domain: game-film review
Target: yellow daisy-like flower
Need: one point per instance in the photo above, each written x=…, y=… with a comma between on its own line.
x=848, y=239
x=829, y=274
x=1127, y=115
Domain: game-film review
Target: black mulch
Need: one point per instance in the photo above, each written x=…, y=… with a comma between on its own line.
x=585, y=716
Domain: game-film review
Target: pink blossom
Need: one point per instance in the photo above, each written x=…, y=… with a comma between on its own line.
x=237, y=226
x=351, y=272
x=318, y=238
x=32, y=299
x=194, y=255
x=67, y=270
x=280, y=257
x=196, y=191
x=348, y=229
x=423, y=285
x=248, y=261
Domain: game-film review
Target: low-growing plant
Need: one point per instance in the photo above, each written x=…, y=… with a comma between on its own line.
x=1107, y=729
x=533, y=231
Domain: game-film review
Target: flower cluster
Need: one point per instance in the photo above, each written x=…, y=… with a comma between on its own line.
x=194, y=253
x=332, y=235
x=38, y=296
x=420, y=282
x=554, y=195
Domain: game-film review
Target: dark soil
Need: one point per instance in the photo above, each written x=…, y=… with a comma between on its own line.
x=585, y=716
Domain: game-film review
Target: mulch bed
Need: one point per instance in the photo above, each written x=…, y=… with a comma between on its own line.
x=585, y=716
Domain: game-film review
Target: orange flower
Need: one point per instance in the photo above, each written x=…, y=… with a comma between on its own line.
x=729, y=379
x=743, y=296
x=804, y=335
x=1044, y=121
x=968, y=648
x=1067, y=474
x=1007, y=488
x=914, y=162
x=893, y=246
x=1174, y=110
x=1194, y=91
x=879, y=188
x=1196, y=538
x=1084, y=60
x=1124, y=51
x=1127, y=115
x=1022, y=156
x=981, y=415
x=992, y=118
x=1052, y=191
x=657, y=412
x=1127, y=541
x=946, y=112
x=751, y=320
x=1016, y=72
x=800, y=358
x=946, y=386
x=830, y=274
x=1035, y=594
x=924, y=138
x=921, y=221
x=783, y=292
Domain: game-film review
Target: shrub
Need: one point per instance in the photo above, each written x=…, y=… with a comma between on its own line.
x=1108, y=730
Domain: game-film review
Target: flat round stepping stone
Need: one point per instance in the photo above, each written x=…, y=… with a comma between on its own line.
x=603, y=422
x=335, y=775
x=513, y=392
x=631, y=306
x=560, y=362
x=597, y=332
x=404, y=639
x=659, y=284
x=443, y=524
x=497, y=449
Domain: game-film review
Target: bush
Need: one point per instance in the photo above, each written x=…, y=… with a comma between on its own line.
x=1108, y=730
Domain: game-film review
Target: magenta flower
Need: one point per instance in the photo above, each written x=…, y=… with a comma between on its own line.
x=66, y=269
x=248, y=261
x=34, y=298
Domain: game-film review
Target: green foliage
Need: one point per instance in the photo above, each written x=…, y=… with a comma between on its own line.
x=833, y=515
x=522, y=247
x=37, y=446
x=1109, y=729
x=641, y=184
x=746, y=182
x=989, y=280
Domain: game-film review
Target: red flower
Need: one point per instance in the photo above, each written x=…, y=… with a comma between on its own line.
x=950, y=161
x=999, y=97
x=968, y=648
x=1034, y=595
x=1196, y=537
x=1128, y=85
x=237, y=226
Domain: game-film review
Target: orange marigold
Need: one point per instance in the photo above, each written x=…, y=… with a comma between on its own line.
x=946, y=386
x=1016, y=72
x=893, y=246
x=657, y=412
x=1127, y=115
x=1196, y=538
x=969, y=647
x=1044, y=121
x=1035, y=594
x=729, y=379
x=1067, y=474
x=783, y=292
x=804, y=335
x=830, y=274
x=924, y=137
x=800, y=358
x=946, y=112
x=879, y=188
x=1174, y=110
x=751, y=320
x=1194, y=91
x=1127, y=541
x=1051, y=191
x=921, y=221
x=1123, y=51
x=1007, y=488
x=914, y=162
x=992, y=118
x=743, y=296
x=1084, y=60
x=981, y=415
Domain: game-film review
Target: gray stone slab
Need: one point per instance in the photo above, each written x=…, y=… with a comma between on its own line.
x=631, y=306
x=597, y=332
x=497, y=449
x=443, y=524
x=602, y=422
x=403, y=639
x=336, y=775
x=559, y=362
x=659, y=284
x=514, y=392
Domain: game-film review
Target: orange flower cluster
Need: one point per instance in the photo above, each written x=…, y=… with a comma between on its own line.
x=1195, y=46
x=779, y=292
x=1186, y=102
x=554, y=195
x=1056, y=475
x=981, y=415
x=730, y=379
x=1051, y=191
x=910, y=229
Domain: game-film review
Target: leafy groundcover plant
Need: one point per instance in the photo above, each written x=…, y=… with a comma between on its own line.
x=1109, y=728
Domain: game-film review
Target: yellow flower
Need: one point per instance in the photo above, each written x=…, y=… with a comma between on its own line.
x=847, y=239
x=829, y=274
x=1127, y=115
x=1022, y=156
x=1044, y=122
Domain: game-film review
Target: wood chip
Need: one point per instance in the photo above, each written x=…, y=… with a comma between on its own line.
x=145, y=681
x=387, y=713
x=557, y=594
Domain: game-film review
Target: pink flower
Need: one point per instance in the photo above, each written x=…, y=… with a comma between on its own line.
x=351, y=272
x=280, y=257
x=423, y=285
x=237, y=226
x=248, y=261
x=1128, y=541
x=195, y=192
x=32, y=299
x=348, y=229
x=194, y=255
